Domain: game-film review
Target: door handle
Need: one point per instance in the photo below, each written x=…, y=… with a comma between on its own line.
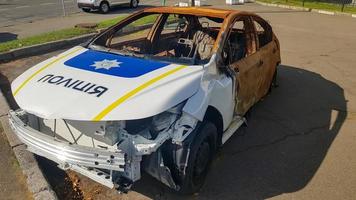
x=260, y=63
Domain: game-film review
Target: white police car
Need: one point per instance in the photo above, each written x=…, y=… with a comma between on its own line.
x=159, y=91
x=104, y=5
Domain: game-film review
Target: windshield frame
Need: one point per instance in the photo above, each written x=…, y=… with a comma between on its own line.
x=104, y=36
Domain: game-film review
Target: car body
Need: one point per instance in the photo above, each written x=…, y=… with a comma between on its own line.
x=104, y=5
x=160, y=91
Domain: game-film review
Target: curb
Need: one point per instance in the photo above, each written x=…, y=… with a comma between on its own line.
x=307, y=9
x=43, y=48
x=36, y=182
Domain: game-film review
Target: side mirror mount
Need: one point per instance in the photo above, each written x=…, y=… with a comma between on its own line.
x=221, y=60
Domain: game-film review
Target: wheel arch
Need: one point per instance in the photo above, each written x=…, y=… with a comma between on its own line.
x=213, y=115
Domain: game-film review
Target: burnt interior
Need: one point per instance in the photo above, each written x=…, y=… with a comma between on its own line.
x=168, y=36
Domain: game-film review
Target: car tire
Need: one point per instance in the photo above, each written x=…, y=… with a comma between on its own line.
x=202, y=151
x=133, y=3
x=86, y=9
x=104, y=7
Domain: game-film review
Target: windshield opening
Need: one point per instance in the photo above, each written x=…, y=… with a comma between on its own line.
x=175, y=38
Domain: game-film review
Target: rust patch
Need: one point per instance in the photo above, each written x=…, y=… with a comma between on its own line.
x=197, y=11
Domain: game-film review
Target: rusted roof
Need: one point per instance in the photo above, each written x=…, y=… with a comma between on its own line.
x=211, y=12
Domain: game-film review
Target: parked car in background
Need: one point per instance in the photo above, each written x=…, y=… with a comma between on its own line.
x=159, y=92
x=104, y=5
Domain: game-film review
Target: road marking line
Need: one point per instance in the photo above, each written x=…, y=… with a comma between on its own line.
x=43, y=68
x=19, y=7
x=131, y=93
x=45, y=4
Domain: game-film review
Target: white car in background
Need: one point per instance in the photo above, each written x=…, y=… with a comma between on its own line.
x=104, y=5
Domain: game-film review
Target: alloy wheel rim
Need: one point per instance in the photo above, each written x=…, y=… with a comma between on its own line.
x=134, y=3
x=104, y=7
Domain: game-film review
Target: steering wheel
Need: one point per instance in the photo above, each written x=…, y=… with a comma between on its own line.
x=183, y=43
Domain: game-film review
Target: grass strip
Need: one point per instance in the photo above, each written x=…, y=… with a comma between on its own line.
x=67, y=33
x=70, y=33
x=43, y=38
x=348, y=8
x=55, y=35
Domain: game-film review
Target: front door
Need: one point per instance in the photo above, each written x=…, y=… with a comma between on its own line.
x=245, y=61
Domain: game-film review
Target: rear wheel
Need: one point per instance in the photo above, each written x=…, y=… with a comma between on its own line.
x=86, y=9
x=202, y=152
x=134, y=3
x=104, y=7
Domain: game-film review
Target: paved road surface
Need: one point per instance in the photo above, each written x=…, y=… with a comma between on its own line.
x=19, y=11
x=23, y=18
x=301, y=139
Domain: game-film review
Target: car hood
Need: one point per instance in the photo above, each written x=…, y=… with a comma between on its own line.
x=83, y=84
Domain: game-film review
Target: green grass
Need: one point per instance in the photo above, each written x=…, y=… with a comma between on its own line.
x=67, y=33
x=314, y=4
x=145, y=20
x=43, y=38
x=110, y=22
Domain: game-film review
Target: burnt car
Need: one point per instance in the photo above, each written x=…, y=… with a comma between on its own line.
x=158, y=92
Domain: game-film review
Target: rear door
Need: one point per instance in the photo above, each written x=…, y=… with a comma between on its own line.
x=269, y=54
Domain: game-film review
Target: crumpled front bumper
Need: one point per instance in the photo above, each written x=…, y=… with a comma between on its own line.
x=65, y=153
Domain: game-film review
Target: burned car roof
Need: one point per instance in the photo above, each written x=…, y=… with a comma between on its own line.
x=212, y=12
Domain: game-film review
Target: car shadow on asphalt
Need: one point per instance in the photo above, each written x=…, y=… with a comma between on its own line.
x=5, y=87
x=288, y=135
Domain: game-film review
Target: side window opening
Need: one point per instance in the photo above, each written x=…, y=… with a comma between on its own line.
x=263, y=31
x=187, y=37
x=175, y=24
x=235, y=47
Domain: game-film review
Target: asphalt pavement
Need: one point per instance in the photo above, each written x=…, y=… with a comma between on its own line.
x=14, y=12
x=19, y=11
x=23, y=18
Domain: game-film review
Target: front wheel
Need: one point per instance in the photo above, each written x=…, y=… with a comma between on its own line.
x=202, y=152
x=133, y=3
x=104, y=7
